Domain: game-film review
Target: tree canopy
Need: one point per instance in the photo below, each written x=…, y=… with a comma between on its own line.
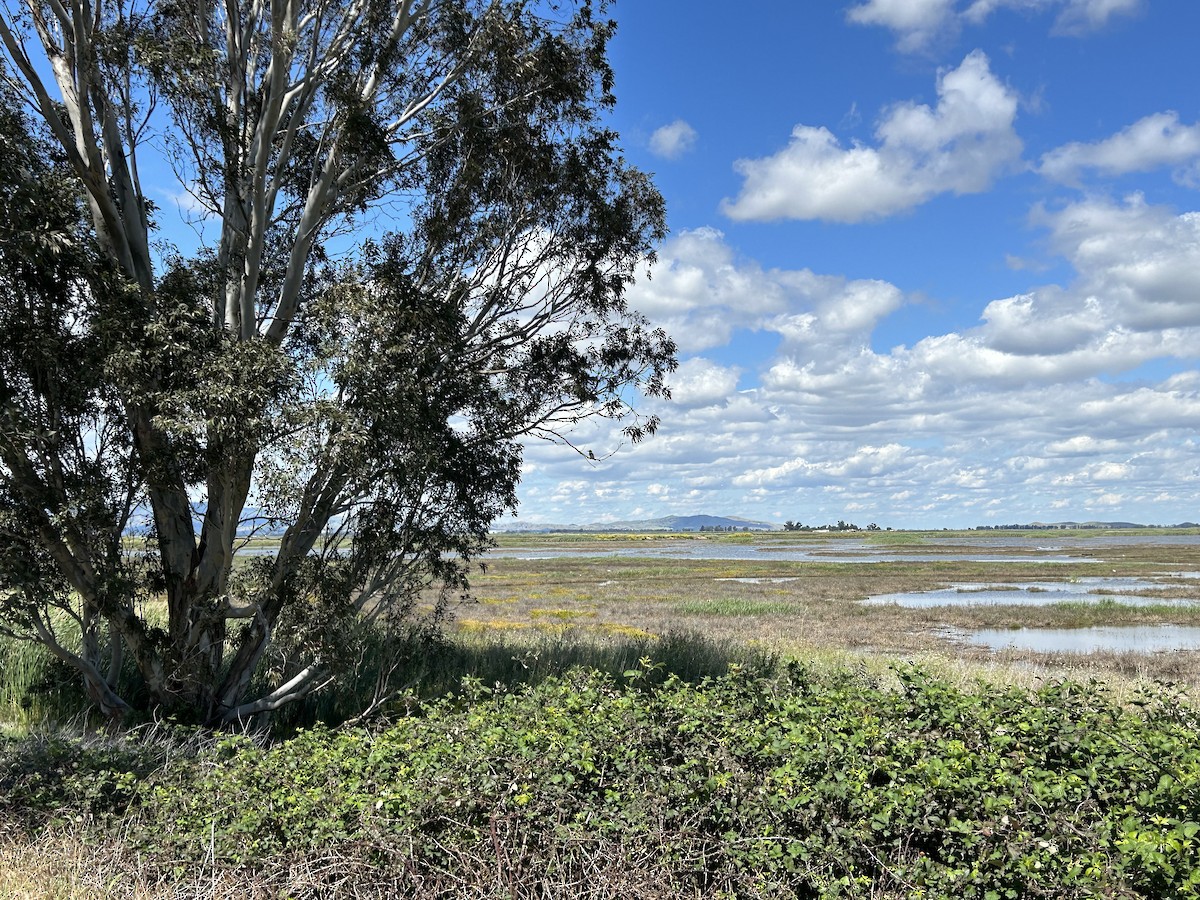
x=419, y=231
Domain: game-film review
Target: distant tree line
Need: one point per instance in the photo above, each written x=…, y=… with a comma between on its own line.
x=840, y=526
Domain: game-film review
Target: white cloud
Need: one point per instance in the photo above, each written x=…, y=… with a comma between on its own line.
x=1081, y=445
x=701, y=294
x=674, y=140
x=919, y=23
x=1021, y=326
x=978, y=11
x=915, y=22
x=959, y=147
x=859, y=305
x=863, y=462
x=1109, y=471
x=1141, y=263
x=1154, y=141
x=700, y=382
x=1082, y=16
x=798, y=467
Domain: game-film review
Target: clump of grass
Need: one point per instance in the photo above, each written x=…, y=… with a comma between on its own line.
x=391, y=675
x=35, y=686
x=616, y=629
x=899, y=538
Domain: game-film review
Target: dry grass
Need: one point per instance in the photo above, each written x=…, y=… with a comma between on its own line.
x=64, y=867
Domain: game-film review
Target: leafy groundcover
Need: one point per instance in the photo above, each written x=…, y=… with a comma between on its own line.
x=795, y=784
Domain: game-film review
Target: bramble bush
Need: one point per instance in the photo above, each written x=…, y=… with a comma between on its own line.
x=785, y=784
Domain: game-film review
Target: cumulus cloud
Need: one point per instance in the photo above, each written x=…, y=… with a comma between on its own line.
x=1140, y=263
x=959, y=146
x=1154, y=141
x=997, y=422
x=919, y=23
x=863, y=462
x=701, y=382
x=700, y=293
x=673, y=140
x=1109, y=471
x=1081, y=445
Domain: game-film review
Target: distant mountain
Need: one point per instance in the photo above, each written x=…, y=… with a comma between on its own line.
x=666, y=523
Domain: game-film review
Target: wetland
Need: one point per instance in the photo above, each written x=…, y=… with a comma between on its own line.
x=1079, y=603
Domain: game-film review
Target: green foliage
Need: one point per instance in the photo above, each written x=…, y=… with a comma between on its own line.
x=792, y=784
x=370, y=410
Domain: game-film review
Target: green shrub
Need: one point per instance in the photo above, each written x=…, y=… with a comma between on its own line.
x=789, y=784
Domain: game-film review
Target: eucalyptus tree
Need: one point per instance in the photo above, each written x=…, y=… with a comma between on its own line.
x=418, y=234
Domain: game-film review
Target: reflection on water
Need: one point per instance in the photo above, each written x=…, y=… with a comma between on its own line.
x=1126, y=638
x=1038, y=593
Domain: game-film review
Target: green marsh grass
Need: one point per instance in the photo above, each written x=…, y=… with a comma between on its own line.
x=35, y=687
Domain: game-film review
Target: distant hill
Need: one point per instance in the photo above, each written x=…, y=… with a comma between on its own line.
x=666, y=523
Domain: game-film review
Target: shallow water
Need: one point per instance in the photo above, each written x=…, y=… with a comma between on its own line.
x=846, y=551
x=1038, y=593
x=1112, y=638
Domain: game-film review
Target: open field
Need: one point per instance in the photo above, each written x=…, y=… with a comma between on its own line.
x=812, y=605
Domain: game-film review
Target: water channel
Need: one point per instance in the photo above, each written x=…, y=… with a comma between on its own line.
x=1112, y=638
x=1041, y=593
x=847, y=551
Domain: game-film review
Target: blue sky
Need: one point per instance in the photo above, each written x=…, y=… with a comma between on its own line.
x=932, y=263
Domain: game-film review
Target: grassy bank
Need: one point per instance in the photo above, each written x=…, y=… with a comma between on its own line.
x=791, y=783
